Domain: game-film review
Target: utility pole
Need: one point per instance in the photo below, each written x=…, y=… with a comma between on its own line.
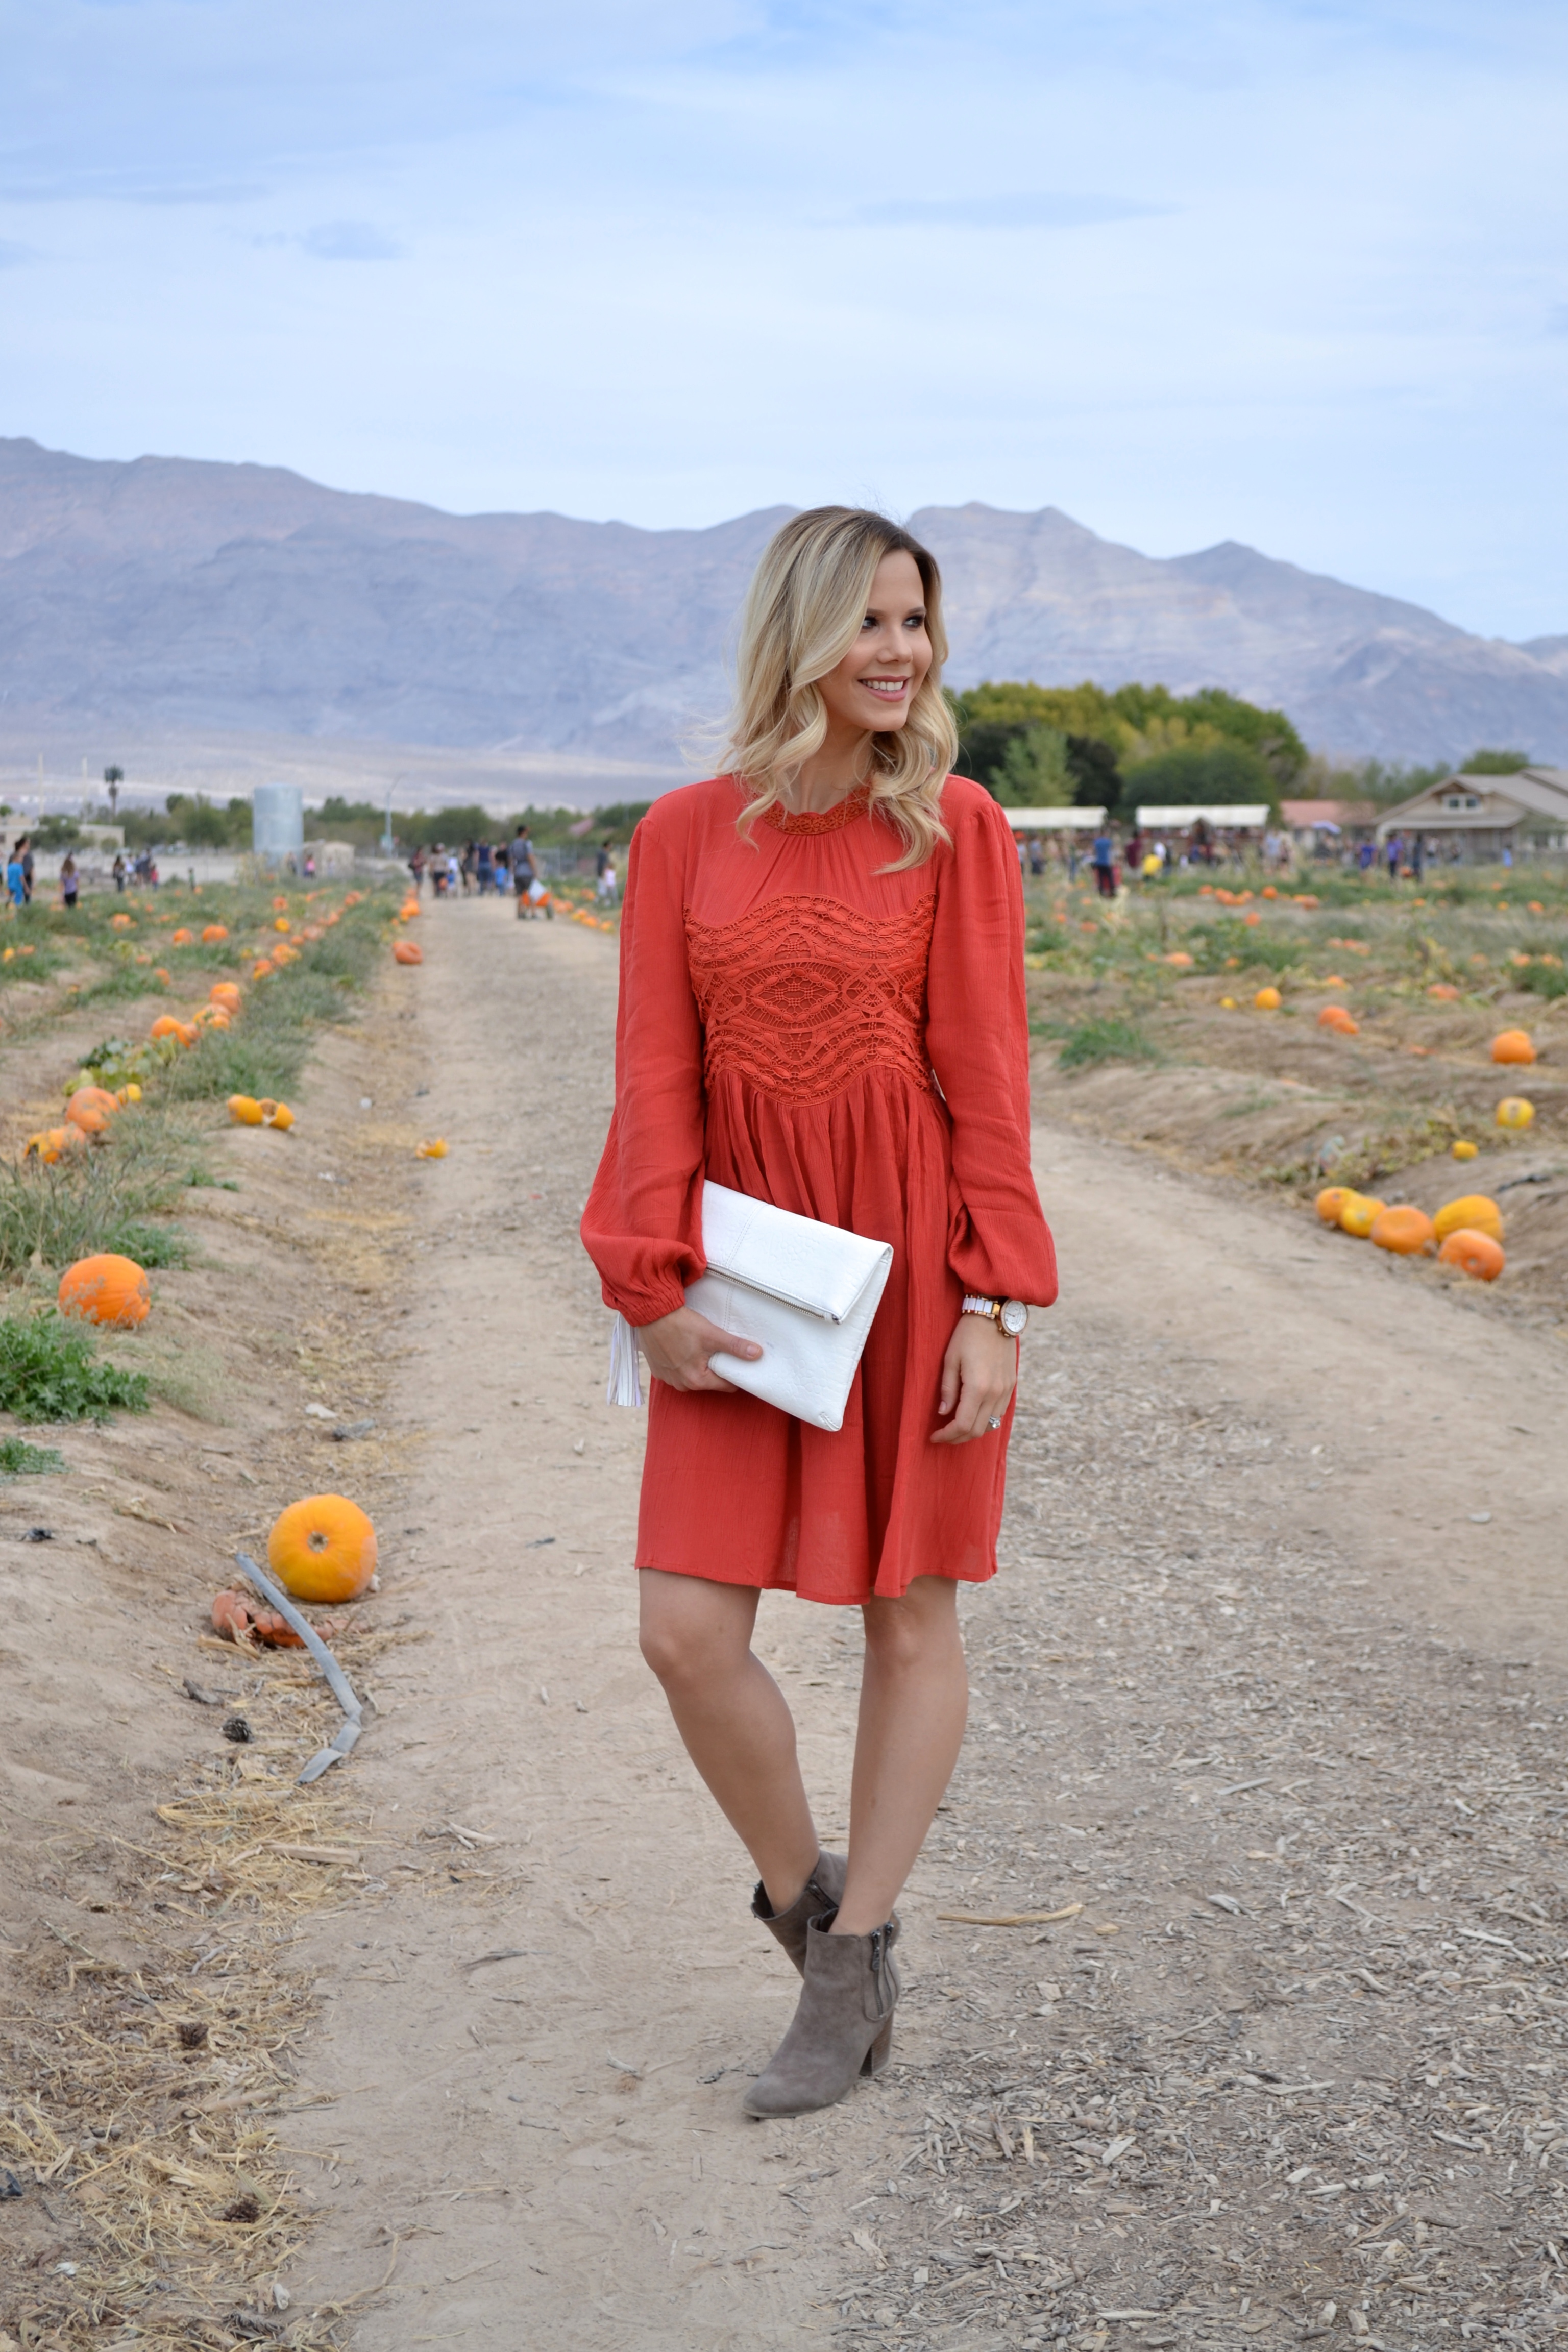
x=113, y=778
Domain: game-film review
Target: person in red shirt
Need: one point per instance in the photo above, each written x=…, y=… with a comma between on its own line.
x=823, y=1006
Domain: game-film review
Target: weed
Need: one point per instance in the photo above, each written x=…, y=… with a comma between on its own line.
x=49, y=1371
x=1546, y=979
x=102, y=1199
x=20, y=1460
x=1110, y=1038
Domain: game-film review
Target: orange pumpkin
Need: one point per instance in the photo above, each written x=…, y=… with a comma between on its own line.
x=181, y=938
x=278, y=905
x=91, y=1107
x=405, y=952
x=51, y=1143
x=1331, y=1201
x=159, y=973
x=322, y=1549
x=281, y=1117
x=1475, y=1254
x=435, y=1150
x=245, y=1110
x=213, y=932
x=226, y=991
x=106, y=1289
x=165, y=1025
x=1404, y=1231
x=1514, y=1111
x=1358, y=1215
x=282, y=924
x=122, y=922
x=262, y=969
x=1338, y=1017
x=1472, y=1212
x=1267, y=999
x=1443, y=990
x=1512, y=1045
x=1463, y=1150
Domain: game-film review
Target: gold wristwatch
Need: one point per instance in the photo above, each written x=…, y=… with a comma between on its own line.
x=1009, y=1315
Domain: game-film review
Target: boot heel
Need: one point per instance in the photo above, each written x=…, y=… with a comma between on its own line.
x=879, y=2053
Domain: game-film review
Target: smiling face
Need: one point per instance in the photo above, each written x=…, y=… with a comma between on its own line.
x=871, y=689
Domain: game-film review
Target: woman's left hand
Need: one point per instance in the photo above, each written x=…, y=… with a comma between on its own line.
x=979, y=1373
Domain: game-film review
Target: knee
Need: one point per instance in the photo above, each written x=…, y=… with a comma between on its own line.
x=684, y=1657
x=906, y=1636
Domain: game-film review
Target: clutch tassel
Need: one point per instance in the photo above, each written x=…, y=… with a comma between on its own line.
x=625, y=1380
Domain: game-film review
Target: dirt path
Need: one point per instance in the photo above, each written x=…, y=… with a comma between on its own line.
x=1247, y=1706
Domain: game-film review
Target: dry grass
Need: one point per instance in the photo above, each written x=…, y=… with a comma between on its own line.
x=156, y=2084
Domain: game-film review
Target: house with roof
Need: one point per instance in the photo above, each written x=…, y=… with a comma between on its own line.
x=1476, y=820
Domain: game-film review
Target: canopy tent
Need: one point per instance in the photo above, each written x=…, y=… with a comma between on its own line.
x=1245, y=814
x=1054, y=820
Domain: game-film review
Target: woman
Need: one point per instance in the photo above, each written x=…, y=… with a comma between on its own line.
x=822, y=1005
x=70, y=882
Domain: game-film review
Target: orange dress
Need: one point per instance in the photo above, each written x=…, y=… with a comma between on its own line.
x=852, y=1045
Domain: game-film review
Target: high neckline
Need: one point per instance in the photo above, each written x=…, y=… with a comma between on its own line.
x=832, y=820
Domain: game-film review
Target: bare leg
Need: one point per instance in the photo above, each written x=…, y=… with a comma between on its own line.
x=914, y=1701
x=733, y=1719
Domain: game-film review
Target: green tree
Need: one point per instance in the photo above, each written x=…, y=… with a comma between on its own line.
x=1033, y=771
x=1196, y=773
x=1495, y=763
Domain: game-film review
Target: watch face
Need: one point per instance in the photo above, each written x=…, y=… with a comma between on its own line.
x=1015, y=1315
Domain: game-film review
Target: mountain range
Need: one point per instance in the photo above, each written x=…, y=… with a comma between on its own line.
x=167, y=593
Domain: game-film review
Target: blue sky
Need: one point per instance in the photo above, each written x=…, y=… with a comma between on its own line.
x=1293, y=274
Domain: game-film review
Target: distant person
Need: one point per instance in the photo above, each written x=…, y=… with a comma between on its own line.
x=605, y=872
x=484, y=868
x=1036, y=856
x=1364, y=856
x=416, y=868
x=524, y=871
x=309, y=866
x=1103, y=857
x=119, y=869
x=467, y=867
x=16, y=880
x=69, y=882
x=437, y=872
x=1393, y=852
x=25, y=852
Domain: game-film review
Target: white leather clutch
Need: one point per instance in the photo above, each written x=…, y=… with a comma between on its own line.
x=806, y=1292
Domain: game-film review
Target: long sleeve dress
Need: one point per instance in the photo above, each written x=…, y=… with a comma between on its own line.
x=852, y=1045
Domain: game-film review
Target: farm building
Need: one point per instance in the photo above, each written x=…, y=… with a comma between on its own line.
x=1476, y=820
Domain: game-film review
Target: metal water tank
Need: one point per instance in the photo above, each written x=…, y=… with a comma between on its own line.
x=279, y=820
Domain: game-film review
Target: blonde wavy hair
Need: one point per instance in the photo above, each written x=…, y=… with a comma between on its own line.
x=803, y=613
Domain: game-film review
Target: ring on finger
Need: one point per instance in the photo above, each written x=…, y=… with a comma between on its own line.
x=994, y=1422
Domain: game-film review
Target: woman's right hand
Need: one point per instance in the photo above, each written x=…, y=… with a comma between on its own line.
x=677, y=1347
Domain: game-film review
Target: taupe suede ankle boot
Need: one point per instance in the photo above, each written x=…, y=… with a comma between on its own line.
x=843, y=2027
x=823, y=1891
